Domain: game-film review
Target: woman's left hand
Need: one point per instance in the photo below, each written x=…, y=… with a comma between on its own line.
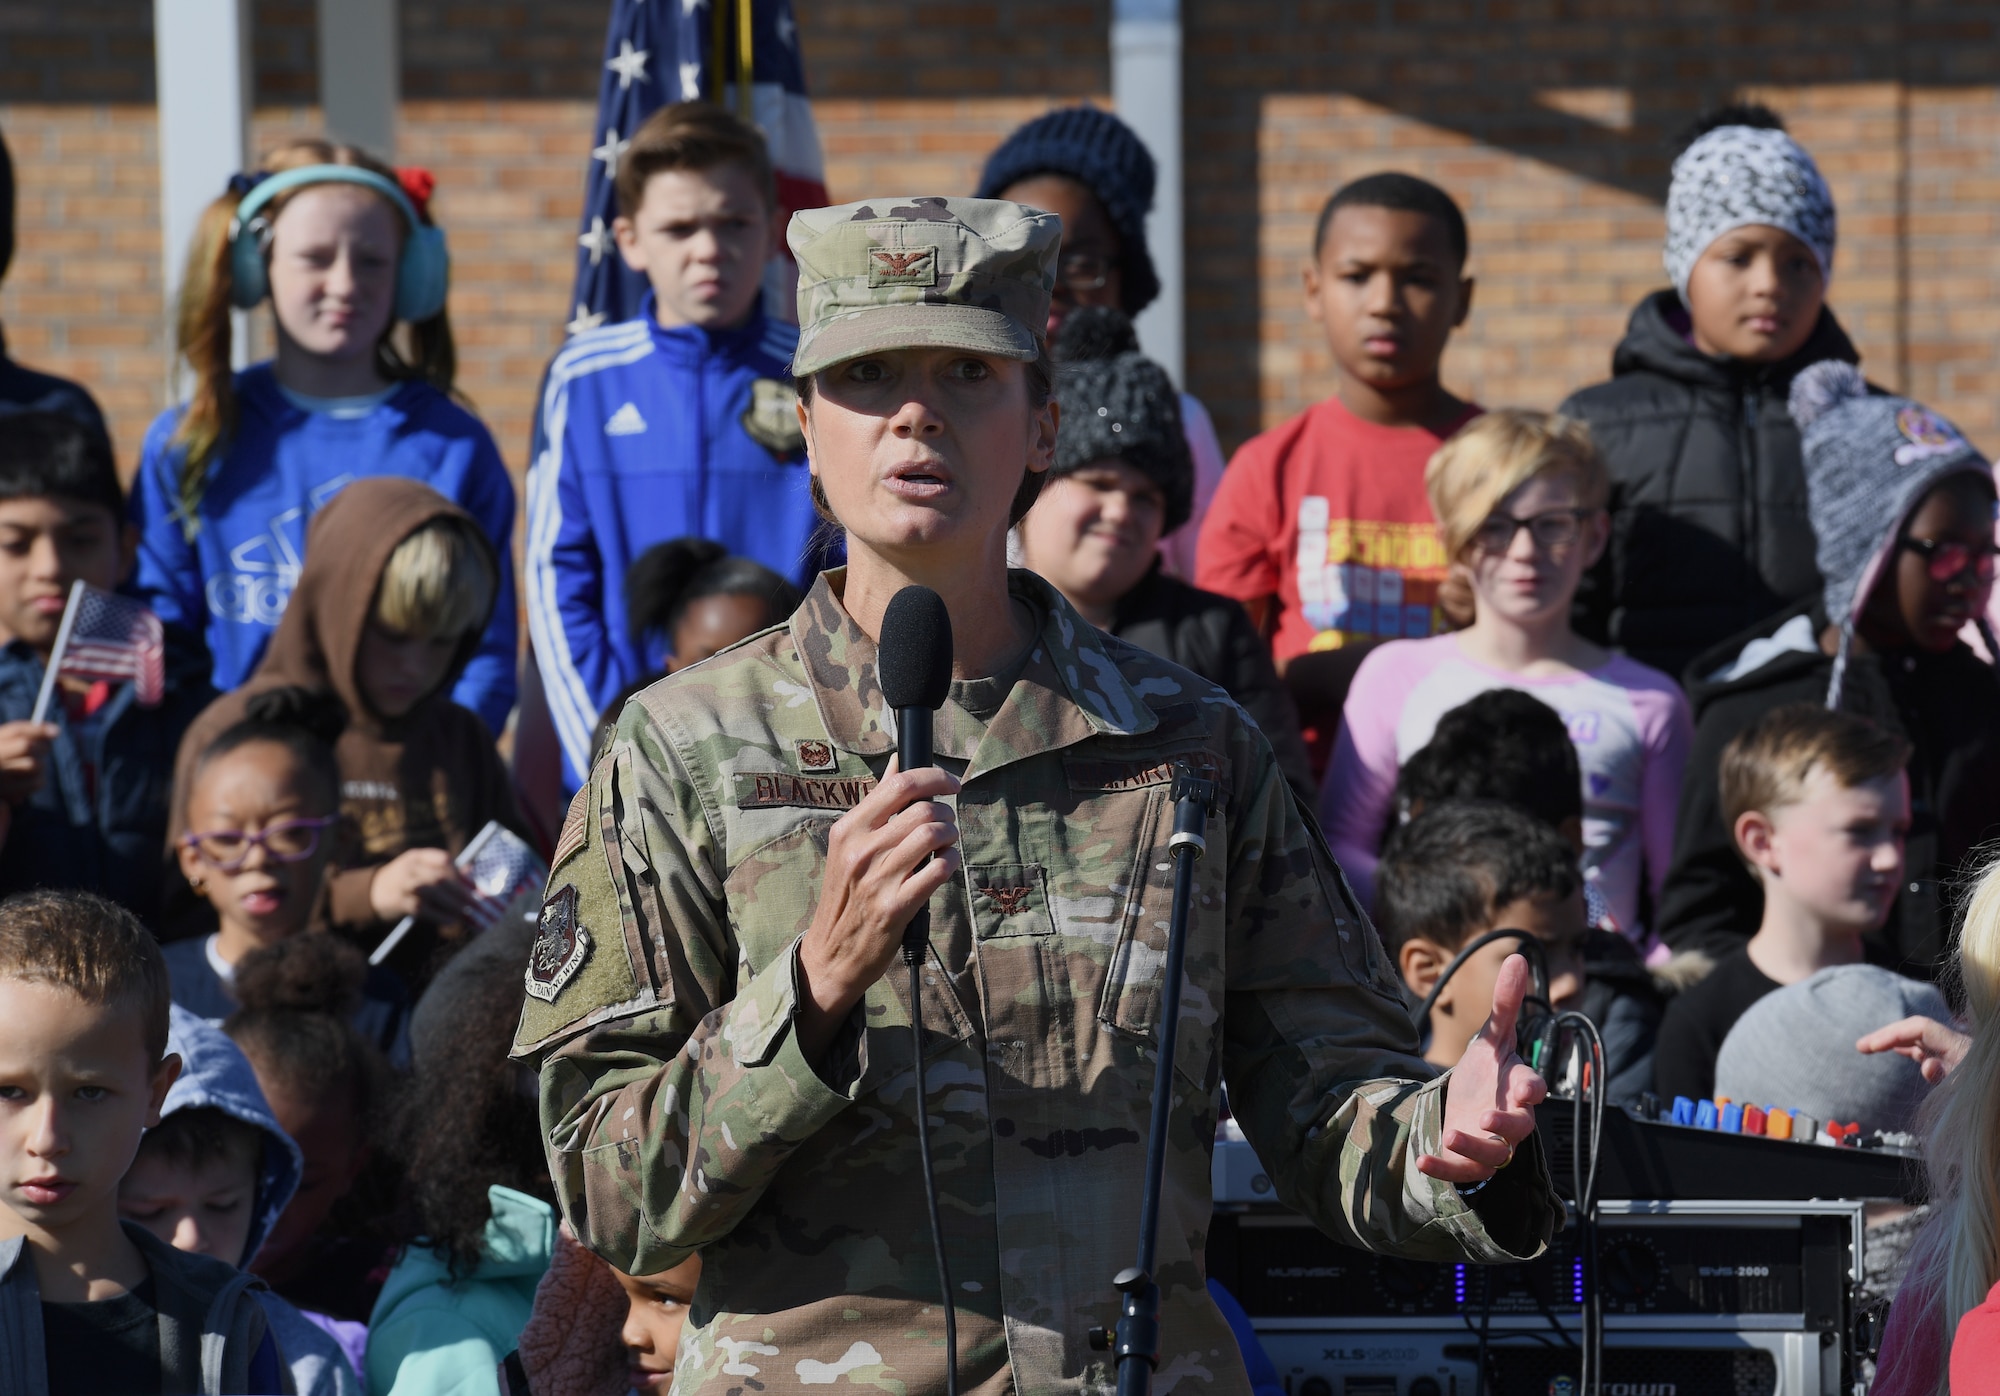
x=1491, y=1095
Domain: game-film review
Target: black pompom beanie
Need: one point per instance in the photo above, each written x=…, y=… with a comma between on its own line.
x=1119, y=404
x=1101, y=152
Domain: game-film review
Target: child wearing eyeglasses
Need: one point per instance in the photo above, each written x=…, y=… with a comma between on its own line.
x=1902, y=513
x=387, y=611
x=1520, y=501
x=262, y=838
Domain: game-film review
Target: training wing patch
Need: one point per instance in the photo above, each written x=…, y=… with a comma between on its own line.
x=561, y=946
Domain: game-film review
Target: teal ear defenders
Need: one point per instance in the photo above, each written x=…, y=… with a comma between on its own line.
x=423, y=273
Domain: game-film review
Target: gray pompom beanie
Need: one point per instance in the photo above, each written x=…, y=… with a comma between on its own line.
x=1795, y=1048
x=1738, y=175
x=1870, y=459
x=1119, y=404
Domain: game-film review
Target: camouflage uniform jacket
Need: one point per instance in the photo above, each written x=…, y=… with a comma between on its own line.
x=681, y=1115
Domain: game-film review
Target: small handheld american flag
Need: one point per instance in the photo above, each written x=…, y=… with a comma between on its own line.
x=110, y=637
x=503, y=869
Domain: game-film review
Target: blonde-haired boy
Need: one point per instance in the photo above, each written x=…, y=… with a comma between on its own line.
x=1520, y=498
x=88, y=1303
x=1819, y=806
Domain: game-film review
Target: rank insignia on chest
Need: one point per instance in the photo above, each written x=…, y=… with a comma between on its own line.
x=561, y=946
x=816, y=757
x=772, y=419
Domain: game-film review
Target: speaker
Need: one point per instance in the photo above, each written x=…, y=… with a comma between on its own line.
x=1700, y=1298
x=423, y=272
x=1348, y=1359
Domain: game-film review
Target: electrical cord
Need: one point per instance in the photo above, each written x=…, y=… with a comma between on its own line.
x=1531, y=949
x=1589, y=1095
x=913, y=958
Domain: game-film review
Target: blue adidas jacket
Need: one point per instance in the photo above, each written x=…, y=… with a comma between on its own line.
x=647, y=434
x=108, y=836
x=230, y=583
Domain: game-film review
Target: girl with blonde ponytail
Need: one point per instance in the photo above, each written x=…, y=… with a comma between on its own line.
x=1956, y=1260
x=344, y=249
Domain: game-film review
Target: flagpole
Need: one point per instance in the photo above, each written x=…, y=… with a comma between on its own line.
x=56, y=655
x=745, y=39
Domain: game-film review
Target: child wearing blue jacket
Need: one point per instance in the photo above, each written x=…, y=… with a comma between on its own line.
x=680, y=422
x=83, y=794
x=356, y=273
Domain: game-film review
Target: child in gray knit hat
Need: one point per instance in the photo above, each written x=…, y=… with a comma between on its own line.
x=1122, y=479
x=1902, y=511
x=1795, y=1048
x=1708, y=505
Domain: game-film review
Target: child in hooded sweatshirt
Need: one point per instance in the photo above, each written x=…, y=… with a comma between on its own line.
x=481, y=1218
x=1708, y=498
x=1902, y=511
x=390, y=607
x=329, y=1089
x=89, y=1302
x=344, y=249
x=213, y=1177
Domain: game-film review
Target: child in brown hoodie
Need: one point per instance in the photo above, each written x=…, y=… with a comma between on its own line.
x=396, y=591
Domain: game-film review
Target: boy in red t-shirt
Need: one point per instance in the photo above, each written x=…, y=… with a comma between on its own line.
x=1321, y=527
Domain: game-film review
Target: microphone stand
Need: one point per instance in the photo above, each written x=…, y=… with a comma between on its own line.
x=1136, y=1344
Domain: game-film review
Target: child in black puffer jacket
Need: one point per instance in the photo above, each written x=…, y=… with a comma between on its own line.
x=1708, y=503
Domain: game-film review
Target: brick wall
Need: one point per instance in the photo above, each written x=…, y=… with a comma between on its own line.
x=1549, y=119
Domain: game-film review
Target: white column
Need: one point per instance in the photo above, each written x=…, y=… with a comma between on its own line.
x=360, y=73
x=1146, y=89
x=201, y=56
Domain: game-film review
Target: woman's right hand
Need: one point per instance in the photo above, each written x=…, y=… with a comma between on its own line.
x=419, y=882
x=876, y=880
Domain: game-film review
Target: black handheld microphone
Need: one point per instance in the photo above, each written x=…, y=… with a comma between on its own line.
x=914, y=664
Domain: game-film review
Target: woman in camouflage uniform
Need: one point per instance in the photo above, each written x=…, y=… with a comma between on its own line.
x=725, y=1063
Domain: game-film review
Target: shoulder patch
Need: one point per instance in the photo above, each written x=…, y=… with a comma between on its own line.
x=781, y=790
x=772, y=419
x=561, y=946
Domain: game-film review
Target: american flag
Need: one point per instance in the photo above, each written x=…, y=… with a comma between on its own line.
x=660, y=51
x=501, y=867
x=504, y=869
x=116, y=638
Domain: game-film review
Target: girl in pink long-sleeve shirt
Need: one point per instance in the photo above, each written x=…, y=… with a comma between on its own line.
x=1520, y=499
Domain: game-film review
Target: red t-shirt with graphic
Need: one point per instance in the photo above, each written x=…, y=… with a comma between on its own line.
x=1328, y=514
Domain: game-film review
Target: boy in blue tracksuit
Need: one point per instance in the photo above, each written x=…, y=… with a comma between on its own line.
x=679, y=422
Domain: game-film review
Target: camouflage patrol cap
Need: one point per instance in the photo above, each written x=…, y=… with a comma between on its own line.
x=921, y=272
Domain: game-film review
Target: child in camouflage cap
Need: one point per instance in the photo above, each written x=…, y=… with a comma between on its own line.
x=725, y=1064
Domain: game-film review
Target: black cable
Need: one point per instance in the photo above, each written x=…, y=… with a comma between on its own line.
x=1590, y=1093
x=1531, y=950
x=912, y=958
